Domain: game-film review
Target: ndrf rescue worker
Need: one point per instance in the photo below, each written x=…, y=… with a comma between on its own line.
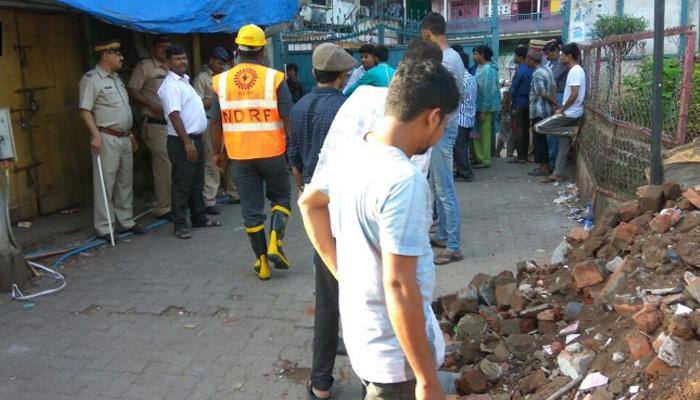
x=145, y=80
x=255, y=104
x=104, y=107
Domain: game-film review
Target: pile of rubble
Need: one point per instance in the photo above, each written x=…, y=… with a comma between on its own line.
x=615, y=315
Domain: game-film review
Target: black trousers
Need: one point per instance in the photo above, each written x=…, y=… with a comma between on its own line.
x=521, y=115
x=462, y=149
x=326, y=324
x=540, y=143
x=187, y=182
x=257, y=179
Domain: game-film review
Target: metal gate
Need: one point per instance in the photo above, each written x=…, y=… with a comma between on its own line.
x=296, y=46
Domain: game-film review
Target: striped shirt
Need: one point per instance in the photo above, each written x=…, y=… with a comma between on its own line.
x=542, y=81
x=467, y=105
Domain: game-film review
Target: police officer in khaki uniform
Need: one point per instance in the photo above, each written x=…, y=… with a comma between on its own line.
x=143, y=90
x=218, y=57
x=104, y=107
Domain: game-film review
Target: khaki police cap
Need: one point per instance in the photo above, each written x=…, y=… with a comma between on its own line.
x=107, y=45
x=332, y=58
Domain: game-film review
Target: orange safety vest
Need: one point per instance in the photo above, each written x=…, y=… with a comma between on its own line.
x=250, y=119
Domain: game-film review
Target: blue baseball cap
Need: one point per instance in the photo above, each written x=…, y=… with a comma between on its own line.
x=219, y=53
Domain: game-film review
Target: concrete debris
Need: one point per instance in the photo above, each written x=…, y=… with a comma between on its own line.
x=616, y=309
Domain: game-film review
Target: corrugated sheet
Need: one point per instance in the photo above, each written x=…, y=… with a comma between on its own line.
x=188, y=16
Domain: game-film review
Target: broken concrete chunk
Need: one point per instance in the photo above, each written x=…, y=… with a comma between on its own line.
x=471, y=381
x=651, y=197
x=574, y=365
x=559, y=254
x=614, y=264
x=485, y=287
x=471, y=325
x=671, y=352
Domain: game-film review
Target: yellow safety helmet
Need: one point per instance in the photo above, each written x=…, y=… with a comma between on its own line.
x=251, y=37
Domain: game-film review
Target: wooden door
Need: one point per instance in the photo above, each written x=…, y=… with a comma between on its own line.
x=54, y=165
x=23, y=199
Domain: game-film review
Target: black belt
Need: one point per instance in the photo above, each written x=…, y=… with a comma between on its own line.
x=159, y=121
x=194, y=136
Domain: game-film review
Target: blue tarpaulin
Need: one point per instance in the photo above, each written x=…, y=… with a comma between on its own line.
x=188, y=16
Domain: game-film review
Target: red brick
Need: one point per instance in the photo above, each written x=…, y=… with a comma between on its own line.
x=663, y=222
x=578, y=234
x=586, y=274
x=623, y=235
x=648, y=319
x=557, y=347
x=547, y=328
x=657, y=367
x=534, y=381
x=692, y=196
x=638, y=346
x=626, y=310
x=471, y=381
x=680, y=327
x=629, y=211
x=553, y=314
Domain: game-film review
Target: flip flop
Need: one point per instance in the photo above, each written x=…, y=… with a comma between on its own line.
x=552, y=178
x=447, y=257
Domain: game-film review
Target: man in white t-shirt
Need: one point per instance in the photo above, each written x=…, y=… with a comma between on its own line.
x=369, y=222
x=565, y=121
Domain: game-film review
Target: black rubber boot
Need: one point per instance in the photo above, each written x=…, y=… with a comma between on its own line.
x=278, y=226
x=259, y=244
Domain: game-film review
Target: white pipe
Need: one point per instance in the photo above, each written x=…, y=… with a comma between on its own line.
x=539, y=6
x=444, y=9
x=104, y=197
x=18, y=295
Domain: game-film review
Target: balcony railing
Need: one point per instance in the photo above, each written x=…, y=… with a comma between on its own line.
x=510, y=24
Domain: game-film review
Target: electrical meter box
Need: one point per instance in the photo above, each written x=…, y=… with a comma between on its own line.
x=7, y=142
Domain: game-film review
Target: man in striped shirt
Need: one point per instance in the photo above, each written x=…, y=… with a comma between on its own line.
x=467, y=111
x=542, y=103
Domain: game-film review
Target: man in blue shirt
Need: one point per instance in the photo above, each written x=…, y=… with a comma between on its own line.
x=311, y=119
x=520, y=94
x=379, y=76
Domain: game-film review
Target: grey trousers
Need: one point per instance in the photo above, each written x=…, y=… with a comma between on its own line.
x=390, y=391
x=212, y=176
x=117, y=167
x=562, y=126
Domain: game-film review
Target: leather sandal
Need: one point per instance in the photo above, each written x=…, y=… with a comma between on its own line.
x=183, y=233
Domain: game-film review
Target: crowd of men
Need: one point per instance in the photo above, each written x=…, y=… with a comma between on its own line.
x=418, y=129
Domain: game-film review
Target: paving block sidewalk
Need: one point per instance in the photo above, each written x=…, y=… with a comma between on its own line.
x=161, y=318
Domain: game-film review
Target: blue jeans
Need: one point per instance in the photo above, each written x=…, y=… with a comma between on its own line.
x=461, y=153
x=443, y=185
x=553, y=141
